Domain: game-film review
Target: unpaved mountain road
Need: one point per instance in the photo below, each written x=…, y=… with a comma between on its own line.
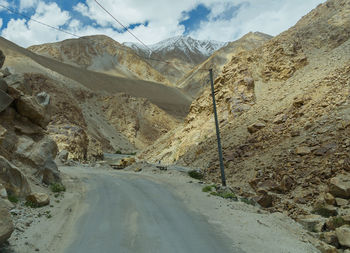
x=128, y=213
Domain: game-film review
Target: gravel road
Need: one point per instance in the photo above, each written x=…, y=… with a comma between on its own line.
x=128, y=213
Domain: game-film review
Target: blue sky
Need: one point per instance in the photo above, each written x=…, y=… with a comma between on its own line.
x=152, y=20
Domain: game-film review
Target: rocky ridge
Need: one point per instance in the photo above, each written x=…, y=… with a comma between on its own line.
x=101, y=54
x=283, y=111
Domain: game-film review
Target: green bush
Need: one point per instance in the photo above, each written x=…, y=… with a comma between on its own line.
x=58, y=187
x=195, y=174
x=225, y=195
x=338, y=222
x=13, y=199
x=207, y=188
x=118, y=152
x=31, y=204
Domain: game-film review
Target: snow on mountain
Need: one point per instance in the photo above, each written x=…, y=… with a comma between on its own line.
x=185, y=44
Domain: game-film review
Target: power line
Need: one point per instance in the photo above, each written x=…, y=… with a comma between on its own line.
x=127, y=29
x=80, y=37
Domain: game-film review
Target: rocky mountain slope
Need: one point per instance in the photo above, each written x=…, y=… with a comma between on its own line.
x=183, y=52
x=101, y=54
x=284, y=116
x=79, y=123
x=195, y=80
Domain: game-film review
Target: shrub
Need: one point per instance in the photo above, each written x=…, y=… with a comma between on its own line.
x=13, y=199
x=337, y=222
x=225, y=195
x=195, y=174
x=118, y=152
x=58, y=187
x=31, y=204
x=207, y=188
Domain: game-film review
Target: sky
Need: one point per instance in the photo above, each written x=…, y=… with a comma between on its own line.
x=151, y=20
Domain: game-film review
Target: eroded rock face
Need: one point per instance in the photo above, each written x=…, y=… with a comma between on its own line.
x=13, y=179
x=29, y=107
x=6, y=225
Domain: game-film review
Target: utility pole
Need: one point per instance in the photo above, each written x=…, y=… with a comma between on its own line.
x=223, y=178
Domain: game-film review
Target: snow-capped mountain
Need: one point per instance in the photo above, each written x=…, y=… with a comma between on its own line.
x=183, y=51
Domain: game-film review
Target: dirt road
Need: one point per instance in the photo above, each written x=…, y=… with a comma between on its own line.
x=128, y=213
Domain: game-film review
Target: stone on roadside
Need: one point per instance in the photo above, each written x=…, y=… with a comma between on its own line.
x=330, y=238
x=3, y=192
x=264, y=200
x=343, y=234
x=63, y=156
x=39, y=199
x=339, y=186
x=137, y=170
x=281, y=118
x=255, y=127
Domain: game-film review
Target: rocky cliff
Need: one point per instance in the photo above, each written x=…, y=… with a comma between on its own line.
x=284, y=116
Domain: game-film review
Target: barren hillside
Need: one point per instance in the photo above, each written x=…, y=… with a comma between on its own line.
x=284, y=116
x=101, y=54
x=195, y=80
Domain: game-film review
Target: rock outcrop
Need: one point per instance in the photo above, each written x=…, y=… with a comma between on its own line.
x=6, y=225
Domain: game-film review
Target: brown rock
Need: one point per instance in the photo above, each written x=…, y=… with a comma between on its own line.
x=6, y=225
x=312, y=223
x=341, y=202
x=329, y=199
x=343, y=234
x=39, y=199
x=287, y=183
x=255, y=127
x=265, y=200
x=28, y=107
x=12, y=179
x=339, y=186
x=302, y=150
x=330, y=238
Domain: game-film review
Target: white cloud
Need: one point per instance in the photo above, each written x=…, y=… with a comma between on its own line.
x=28, y=33
x=0, y=23
x=4, y=3
x=25, y=4
x=270, y=16
x=163, y=18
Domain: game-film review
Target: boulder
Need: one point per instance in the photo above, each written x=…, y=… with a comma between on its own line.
x=3, y=85
x=17, y=86
x=12, y=179
x=302, y=150
x=343, y=234
x=341, y=202
x=339, y=186
x=312, y=223
x=2, y=59
x=5, y=72
x=50, y=173
x=38, y=199
x=44, y=150
x=255, y=127
x=3, y=192
x=287, y=183
x=5, y=100
x=29, y=107
x=330, y=238
x=6, y=225
x=264, y=200
x=63, y=156
x=329, y=199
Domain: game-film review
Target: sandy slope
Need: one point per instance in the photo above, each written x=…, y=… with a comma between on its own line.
x=169, y=99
